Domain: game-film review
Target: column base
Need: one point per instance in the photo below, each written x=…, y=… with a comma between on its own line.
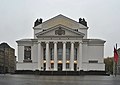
x=64, y=70
x=71, y=69
x=55, y=70
x=39, y=69
x=48, y=70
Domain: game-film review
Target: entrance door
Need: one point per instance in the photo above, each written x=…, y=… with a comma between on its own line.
x=44, y=67
x=75, y=67
x=59, y=67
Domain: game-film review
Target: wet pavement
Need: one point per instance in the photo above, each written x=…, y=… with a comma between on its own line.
x=58, y=80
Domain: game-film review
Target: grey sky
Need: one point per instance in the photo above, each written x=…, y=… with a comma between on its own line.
x=103, y=17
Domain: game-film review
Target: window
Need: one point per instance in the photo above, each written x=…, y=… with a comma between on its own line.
x=59, y=53
x=44, y=54
x=93, y=61
x=68, y=54
x=51, y=54
x=75, y=54
x=27, y=54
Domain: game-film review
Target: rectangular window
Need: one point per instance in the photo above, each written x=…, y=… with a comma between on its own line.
x=93, y=61
x=75, y=54
x=68, y=54
x=51, y=54
x=59, y=53
x=44, y=53
x=27, y=54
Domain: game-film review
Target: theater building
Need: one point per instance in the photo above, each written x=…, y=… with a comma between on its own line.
x=60, y=44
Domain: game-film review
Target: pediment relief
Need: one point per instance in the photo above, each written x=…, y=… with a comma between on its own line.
x=59, y=31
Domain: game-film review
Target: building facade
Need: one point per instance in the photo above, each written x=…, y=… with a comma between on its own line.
x=118, y=64
x=60, y=44
x=1, y=60
x=7, y=59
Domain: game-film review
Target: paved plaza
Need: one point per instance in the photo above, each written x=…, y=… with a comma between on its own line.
x=58, y=80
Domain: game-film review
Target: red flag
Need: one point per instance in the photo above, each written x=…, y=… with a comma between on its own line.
x=115, y=55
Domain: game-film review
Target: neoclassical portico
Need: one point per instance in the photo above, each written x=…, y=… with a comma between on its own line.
x=63, y=60
x=60, y=44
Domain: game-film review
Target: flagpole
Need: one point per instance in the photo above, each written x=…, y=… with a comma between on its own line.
x=116, y=64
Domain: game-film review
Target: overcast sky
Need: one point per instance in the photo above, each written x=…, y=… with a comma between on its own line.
x=103, y=17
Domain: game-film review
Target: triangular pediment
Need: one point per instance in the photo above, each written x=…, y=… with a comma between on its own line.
x=61, y=19
x=60, y=30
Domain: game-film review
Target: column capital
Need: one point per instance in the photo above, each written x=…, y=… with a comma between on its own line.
x=72, y=42
x=47, y=42
x=55, y=42
x=39, y=42
x=80, y=42
x=64, y=42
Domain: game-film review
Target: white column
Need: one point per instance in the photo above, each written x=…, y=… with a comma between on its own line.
x=79, y=57
x=39, y=56
x=47, y=56
x=42, y=61
x=64, y=56
x=72, y=57
x=55, y=56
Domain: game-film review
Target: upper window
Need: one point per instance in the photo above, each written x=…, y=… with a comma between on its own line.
x=75, y=54
x=68, y=53
x=44, y=53
x=59, y=53
x=52, y=54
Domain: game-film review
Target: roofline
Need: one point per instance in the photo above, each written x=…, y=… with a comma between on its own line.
x=26, y=40
x=57, y=16
x=94, y=40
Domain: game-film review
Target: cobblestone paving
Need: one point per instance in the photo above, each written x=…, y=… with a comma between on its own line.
x=58, y=80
